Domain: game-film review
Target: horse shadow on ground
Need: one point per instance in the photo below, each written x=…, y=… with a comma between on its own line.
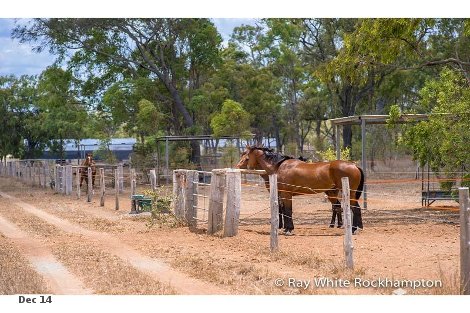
x=296, y=234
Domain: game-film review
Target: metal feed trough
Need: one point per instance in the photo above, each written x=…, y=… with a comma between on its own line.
x=140, y=203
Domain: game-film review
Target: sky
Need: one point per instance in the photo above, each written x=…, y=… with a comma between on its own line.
x=19, y=59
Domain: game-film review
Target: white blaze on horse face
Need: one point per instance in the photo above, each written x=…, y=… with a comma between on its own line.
x=243, y=161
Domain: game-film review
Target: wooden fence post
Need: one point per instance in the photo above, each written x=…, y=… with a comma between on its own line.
x=35, y=173
x=56, y=178
x=116, y=189
x=232, y=209
x=464, y=241
x=274, y=202
x=40, y=174
x=47, y=178
x=102, y=186
x=68, y=179
x=179, y=177
x=153, y=180
x=77, y=180
x=15, y=174
x=24, y=173
x=61, y=179
x=45, y=169
x=345, y=205
x=216, y=202
x=190, y=203
x=30, y=175
x=121, y=177
x=89, y=184
x=133, y=182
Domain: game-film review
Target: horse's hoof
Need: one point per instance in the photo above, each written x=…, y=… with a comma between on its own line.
x=340, y=226
x=356, y=231
x=288, y=233
x=332, y=225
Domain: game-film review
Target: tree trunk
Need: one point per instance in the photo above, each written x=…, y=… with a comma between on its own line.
x=348, y=107
x=187, y=118
x=347, y=136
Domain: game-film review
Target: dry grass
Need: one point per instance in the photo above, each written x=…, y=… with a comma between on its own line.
x=28, y=222
x=81, y=217
x=104, y=272
x=16, y=275
x=239, y=277
x=305, y=259
x=450, y=283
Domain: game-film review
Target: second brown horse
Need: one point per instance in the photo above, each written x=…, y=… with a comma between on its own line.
x=89, y=162
x=296, y=177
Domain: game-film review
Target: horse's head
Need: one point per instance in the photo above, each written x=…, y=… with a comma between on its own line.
x=89, y=158
x=248, y=159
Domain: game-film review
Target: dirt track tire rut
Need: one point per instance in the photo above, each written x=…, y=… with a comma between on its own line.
x=59, y=279
x=155, y=268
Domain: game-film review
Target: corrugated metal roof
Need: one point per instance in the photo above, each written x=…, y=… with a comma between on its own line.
x=93, y=144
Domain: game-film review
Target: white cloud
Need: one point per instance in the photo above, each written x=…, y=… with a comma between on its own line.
x=225, y=26
x=19, y=59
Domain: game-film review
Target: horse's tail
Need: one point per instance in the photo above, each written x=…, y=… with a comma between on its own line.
x=361, y=184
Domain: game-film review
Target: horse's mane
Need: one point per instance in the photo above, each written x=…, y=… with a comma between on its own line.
x=276, y=158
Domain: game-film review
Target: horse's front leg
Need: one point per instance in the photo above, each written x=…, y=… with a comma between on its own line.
x=281, y=211
x=333, y=217
x=287, y=214
x=335, y=208
x=338, y=211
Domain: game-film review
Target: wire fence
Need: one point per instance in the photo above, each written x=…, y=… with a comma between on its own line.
x=201, y=196
x=394, y=197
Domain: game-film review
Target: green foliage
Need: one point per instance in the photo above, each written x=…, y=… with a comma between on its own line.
x=232, y=120
x=443, y=139
x=230, y=155
x=330, y=154
x=176, y=52
x=291, y=148
x=465, y=180
x=180, y=157
x=62, y=115
x=393, y=116
x=105, y=153
x=149, y=118
x=144, y=77
x=161, y=211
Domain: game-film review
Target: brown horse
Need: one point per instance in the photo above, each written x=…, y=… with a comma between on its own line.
x=89, y=162
x=336, y=207
x=296, y=177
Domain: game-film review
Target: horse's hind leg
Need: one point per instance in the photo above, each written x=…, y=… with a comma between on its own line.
x=357, y=216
